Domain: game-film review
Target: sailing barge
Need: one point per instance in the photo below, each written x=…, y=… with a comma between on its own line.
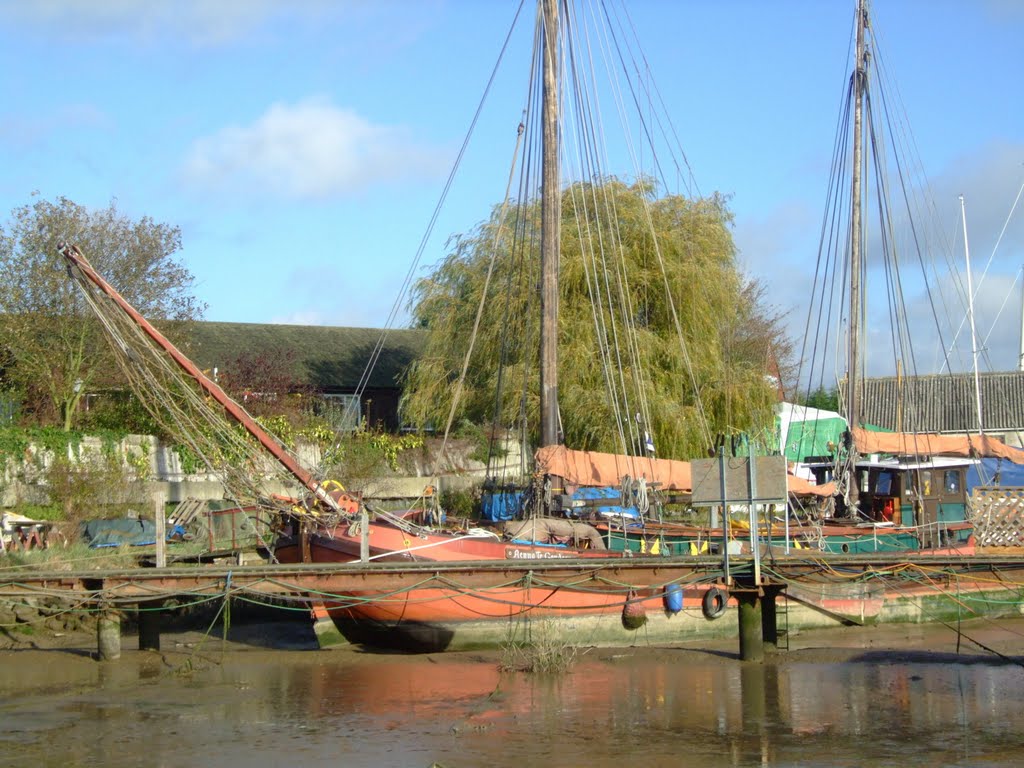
x=329, y=525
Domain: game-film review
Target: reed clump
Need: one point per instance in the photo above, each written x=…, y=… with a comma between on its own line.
x=537, y=647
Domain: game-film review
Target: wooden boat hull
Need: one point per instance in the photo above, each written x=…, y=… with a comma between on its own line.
x=838, y=539
x=444, y=614
x=455, y=616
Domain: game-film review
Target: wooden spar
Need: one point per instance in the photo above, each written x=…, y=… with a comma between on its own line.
x=76, y=261
x=550, y=229
x=852, y=378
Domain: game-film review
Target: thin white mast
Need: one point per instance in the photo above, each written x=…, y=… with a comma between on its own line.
x=970, y=314
x=1020, y=359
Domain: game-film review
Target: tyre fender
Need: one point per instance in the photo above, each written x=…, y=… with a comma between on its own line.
x=714, y=603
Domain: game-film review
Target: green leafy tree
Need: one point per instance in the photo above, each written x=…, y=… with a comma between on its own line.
x=715, y=379
x=53, y=342
x=825, y=399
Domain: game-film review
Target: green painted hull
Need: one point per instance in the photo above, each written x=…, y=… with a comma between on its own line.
x=685, y=543
x=849, y=541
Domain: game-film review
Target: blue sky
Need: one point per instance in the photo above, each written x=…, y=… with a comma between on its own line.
x=301, y=146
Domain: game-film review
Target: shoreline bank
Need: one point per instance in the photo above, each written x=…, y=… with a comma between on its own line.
x=995, y=641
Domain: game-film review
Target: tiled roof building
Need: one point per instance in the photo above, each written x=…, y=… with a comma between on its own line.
x=946, y=403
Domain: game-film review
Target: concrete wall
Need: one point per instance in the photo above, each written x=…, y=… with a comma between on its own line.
x=25, y=482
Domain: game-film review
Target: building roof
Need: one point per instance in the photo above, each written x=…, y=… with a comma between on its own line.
x=327, y=358
x=945, y=402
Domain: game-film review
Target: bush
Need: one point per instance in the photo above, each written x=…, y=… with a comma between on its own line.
x=461, y=503
x=366, y=455
x=92, y=482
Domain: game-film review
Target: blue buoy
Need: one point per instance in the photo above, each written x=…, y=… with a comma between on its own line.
x=673, y=598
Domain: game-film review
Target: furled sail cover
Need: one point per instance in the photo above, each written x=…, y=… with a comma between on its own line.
x=593, y=469
x=802, y=487
x=909, y=444
x=590, y=468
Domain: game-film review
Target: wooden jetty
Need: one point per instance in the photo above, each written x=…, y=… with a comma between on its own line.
x=841, y=589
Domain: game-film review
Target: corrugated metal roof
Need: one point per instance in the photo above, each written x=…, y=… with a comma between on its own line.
x=328, y=358
x=945, y=403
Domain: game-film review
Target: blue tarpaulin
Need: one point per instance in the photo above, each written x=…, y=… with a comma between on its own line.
x=496, y=507
x=123, y=532
x=999, y=472
x=612, y=498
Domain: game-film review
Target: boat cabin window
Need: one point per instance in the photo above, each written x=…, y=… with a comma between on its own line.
x=883, y=484
x=951, y=481
x=924, y=484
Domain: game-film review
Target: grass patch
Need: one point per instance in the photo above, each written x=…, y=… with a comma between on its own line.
x=51, y=512
x=537, y=647
x=80, y=556
x=23, y=630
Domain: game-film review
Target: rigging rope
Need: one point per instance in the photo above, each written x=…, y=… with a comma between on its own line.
x=403, y=293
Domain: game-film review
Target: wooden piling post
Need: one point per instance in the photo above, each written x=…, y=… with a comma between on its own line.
x=769, y=618
x=160, y=519
x=108, y=634
x=149, y=625
x=751, y=639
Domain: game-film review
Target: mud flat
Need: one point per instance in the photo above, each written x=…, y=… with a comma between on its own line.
x=265, y=695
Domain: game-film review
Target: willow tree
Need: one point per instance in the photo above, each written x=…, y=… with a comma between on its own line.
x=659, y=331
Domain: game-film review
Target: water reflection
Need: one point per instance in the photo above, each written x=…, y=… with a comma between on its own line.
x=258, y=708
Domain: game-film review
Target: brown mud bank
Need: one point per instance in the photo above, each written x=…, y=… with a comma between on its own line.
x=261, y=693
x=35, y=660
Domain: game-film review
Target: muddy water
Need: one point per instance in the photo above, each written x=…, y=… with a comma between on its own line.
x=838, y=698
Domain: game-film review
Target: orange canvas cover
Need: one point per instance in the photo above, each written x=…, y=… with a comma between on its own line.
x=590, y=468
x=802, y=487
x=909, y=444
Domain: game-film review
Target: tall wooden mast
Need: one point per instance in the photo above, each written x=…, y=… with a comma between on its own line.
x=856, y=241
x=550, y=227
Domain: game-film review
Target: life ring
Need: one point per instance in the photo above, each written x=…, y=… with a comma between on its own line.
x=714, y=602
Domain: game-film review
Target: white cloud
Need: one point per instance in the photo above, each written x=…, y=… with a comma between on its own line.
x=997, y=310
x=989, y=179
x=209, y=22
x=200, y=21
x=309, y=151
x=373, y=28
x=933, y=306
x=1005, y=10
